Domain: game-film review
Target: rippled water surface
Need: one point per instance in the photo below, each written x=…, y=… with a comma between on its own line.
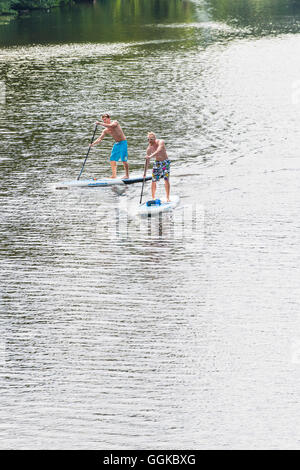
x=173, y=332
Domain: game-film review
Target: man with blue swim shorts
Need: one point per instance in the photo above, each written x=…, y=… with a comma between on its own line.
x=161, y=166
x=119, y=150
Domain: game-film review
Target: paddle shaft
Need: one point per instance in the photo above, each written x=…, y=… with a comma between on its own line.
x=88, y=152
x=145, y=171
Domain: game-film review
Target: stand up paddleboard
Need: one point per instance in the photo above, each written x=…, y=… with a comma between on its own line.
x=100, y=183
x=157, y=206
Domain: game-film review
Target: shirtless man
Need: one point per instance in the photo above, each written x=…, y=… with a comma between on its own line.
x=119, y=150
x=161, y=166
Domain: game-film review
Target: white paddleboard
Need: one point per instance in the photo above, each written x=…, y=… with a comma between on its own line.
x=156, y=209
x=100, y=183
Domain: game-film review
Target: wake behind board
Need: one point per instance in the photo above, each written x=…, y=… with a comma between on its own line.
x=164, y=206
x=101, y=182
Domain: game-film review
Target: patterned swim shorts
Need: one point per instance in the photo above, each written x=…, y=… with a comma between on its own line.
x=161, y=170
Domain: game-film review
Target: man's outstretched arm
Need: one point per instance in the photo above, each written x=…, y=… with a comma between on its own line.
x=159, y=148
x=97, y=141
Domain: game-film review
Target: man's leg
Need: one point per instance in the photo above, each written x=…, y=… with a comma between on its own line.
x=113, y=169
x=167, y=188
x=153, y=189
x=126, y=168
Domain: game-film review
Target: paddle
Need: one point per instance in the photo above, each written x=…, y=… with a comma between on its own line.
x=88, y=152
x=145, y=171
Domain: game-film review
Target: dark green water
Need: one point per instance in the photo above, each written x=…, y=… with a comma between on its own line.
x=128, y=20
x=179, y=332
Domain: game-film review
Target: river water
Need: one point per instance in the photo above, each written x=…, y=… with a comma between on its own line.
x=172, y=332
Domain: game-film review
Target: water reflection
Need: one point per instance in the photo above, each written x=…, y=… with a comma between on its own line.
x=104, y=21
x=251, y=12
x=114, y=21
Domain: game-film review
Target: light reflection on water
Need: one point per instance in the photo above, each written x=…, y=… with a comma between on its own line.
x=152, y=336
